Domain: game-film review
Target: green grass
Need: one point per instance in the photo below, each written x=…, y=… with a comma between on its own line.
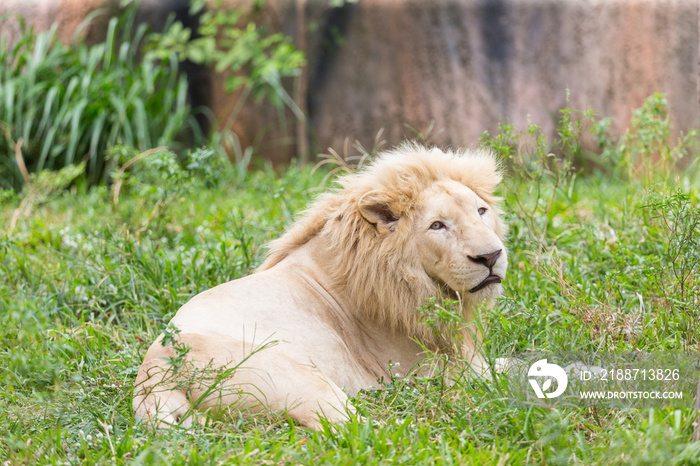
x=89, y=277
x=87, y=284
x=606, y=259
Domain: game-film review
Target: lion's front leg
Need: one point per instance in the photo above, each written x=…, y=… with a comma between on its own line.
x=471, y=351
x=277, y=382
x=309, y=395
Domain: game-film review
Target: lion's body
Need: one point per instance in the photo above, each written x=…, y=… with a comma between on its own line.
x=338, y=294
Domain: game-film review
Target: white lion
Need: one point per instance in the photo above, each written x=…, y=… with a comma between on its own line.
x=338, y=294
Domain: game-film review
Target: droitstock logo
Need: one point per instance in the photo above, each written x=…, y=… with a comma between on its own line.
x=543, y=371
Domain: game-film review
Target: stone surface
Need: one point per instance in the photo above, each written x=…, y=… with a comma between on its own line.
x=464, y=64
x=470, y=64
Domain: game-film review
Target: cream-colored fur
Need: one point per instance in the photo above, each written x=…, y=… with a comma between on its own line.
x=337, y=298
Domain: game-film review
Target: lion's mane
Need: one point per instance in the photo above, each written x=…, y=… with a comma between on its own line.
x=383, y=275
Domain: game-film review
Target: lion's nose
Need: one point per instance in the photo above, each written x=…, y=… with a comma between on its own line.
x=487, y=260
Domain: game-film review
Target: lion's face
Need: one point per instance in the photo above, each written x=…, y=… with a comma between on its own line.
x=455, y=237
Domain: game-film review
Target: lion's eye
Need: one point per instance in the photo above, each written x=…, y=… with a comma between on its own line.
x=482, y=210
x=437, y=225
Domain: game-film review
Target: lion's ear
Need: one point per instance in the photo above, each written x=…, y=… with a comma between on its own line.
x=375, y=207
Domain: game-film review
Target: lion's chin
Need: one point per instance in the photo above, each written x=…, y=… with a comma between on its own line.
x=447, y=292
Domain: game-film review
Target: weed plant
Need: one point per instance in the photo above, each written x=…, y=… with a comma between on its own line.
x=598, y=260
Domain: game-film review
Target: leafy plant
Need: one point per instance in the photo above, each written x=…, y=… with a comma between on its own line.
x=444, y=318
x=646, y=149
x=543, y=171
x=170, y=337
x=65, y=104
x=228, y=39
x=160, y=179
x=673, y=228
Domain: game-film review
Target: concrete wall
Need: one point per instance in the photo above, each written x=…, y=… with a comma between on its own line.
x=464, y=64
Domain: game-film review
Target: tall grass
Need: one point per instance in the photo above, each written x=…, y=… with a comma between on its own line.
x=62, y=104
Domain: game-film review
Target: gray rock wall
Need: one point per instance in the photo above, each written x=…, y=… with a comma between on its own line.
x=470, y=64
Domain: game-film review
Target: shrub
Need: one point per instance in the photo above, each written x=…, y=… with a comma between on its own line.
x=646, y=149
x=254, y=60
x=65, y=104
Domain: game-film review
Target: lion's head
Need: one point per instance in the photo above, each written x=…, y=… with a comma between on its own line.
x=415, y=223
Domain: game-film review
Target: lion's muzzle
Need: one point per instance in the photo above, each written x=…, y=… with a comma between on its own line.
x=488, y=261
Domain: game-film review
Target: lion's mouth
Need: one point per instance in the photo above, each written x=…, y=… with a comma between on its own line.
x=490, y=280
